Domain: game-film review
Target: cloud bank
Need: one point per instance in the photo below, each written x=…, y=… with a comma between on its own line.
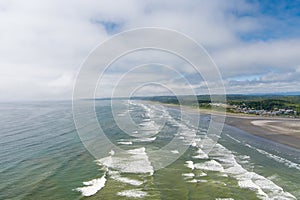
x=43, y=43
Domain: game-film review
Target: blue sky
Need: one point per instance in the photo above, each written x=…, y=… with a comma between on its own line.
x=255, y=44
x=280, y=19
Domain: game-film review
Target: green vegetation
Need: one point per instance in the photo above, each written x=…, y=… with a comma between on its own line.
x=266, y=102
x=245, y=103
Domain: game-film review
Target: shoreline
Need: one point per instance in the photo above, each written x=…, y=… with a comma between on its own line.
x=276, y=130
x=281, y=130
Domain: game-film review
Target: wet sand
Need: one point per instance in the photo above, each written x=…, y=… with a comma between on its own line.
x=278, y=129
x=284, y=131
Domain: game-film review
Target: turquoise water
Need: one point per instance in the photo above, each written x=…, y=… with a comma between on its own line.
x=42, y=157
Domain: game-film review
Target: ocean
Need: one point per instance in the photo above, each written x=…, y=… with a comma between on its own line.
x=43, y=157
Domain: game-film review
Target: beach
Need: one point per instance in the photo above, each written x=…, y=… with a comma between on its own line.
x=283, y=131
x=277, y=129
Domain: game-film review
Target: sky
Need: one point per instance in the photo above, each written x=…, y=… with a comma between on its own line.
x=255, y=44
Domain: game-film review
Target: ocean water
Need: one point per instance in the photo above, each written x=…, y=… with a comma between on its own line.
x=42, y=157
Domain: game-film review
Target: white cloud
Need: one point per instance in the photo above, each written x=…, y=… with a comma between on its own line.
x=280, y=55
x=43, y=43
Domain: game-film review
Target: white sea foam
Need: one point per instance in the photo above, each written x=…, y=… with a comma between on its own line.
x=188, y=175
x=197, y=181
x=286, y=162
x=112, y=152
x=189, y=136
x=236, y=169
x=126, y=180
x=211, y=165
x=227, y=164
x=92, y=187
x=148, y=125
x=135, y=193
x=125, y=143
x=152, y=122
x=140, y=151
x=279, y=159
x=175, y=151
x=233, y=138
x=250, y=185
x=146, y=139
x=190, y=164
x=184, y=132
x=244, y=159
x=202, y=174
x=201, y=154
x=134, y=161
x=265, y=188
x=222, y=160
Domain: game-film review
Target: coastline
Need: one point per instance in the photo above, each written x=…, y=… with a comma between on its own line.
x=277, y=129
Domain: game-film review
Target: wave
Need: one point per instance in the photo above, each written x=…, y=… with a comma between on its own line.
x=133, y=161
x=125, y=143
x=197, y=181
x=279, y=159
x=134, y=193
x=265, y=188
x=236, y=140
x=201, y=154
x=220, y=159
x=188, y=175
x=211, y=165
x=153, y=119
x=145, y=139
x=190, y=164
x=224, y=161
x=92, y=187
x=175, y=151
x=116, y=176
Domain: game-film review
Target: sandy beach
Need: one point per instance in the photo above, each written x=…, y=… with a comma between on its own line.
x=278, y=129
x=284, y=131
